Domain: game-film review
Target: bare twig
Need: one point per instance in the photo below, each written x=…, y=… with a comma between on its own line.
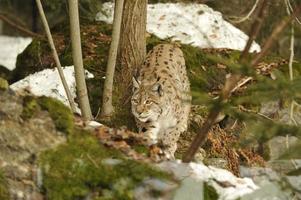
x=271, y=39
x=55, y=55
x=291, y=59
x=18, y=27
x=255, y=28
x=241, y=83
x=242, y=19
x=290, y=10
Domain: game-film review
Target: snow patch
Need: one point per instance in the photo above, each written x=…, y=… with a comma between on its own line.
x=10, y=48
x=48, y=83
x=195, y=24
x=94, y=124
x=234, y=187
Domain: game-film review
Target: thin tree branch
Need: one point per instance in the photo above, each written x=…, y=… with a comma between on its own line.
x=242, y=19
x=270, y=41
x=18, y=27
x=55, y=55
x=255, y=28
x=291, y=59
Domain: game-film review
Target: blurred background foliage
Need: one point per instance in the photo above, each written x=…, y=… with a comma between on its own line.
x=24, y=13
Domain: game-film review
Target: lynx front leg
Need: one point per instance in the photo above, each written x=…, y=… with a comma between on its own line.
x=169, y=142
x=150, y=130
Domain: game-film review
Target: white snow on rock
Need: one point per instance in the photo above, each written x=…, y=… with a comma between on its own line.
x=10, y=48
x=233, y=187
x=195, y=24
x=48, y=83
x=94, y=124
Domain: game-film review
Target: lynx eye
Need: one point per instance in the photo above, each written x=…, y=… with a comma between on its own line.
x=148, y=102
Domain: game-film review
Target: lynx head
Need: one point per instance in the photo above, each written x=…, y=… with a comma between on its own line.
x=146, y=100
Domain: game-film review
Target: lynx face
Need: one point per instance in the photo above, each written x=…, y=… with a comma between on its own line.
x=146, y=102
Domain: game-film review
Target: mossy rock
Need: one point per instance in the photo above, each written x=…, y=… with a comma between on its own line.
x=83, y=165
x=3, y=84
x=4, y=194
x=5, y=73
x=31, y=60
x=60, y=114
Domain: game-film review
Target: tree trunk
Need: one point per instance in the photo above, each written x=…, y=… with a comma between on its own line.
x=107, y=107
x=132, y=44
x=78, y=61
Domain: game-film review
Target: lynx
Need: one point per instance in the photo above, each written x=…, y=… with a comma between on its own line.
x=161, y=99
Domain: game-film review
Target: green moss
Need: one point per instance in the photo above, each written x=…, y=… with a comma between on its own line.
x=30, y=107
x=4, y=195
x=60, y=114
x=66, y=56
x=29, y=61
x=209, y=192
x=202, y=70
x=3, y=84
x=141, y=149
x=105, y=28
x=83, y=165
x=152, y=41
x=5, y=73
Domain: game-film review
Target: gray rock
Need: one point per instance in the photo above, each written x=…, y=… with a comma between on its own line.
x=294, y=181
x=270, y=109
x=284, y=166
x=20, y=143
x=10, y=105
x=151, y=188
x=273, y=185
x=190, y=189
x=278, y=145
x=282, y=114
x=259, y=175
x=270, y=191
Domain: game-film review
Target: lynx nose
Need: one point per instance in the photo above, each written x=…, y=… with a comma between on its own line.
x=139, y=110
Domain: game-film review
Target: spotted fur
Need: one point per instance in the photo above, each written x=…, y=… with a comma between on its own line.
x=161, y=99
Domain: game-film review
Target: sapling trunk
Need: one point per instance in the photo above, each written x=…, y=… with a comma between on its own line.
x=78, y=61
x=55, y=55
x=107, y=106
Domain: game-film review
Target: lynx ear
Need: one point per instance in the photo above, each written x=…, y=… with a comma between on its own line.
x=136, y=83
x=157, y=87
